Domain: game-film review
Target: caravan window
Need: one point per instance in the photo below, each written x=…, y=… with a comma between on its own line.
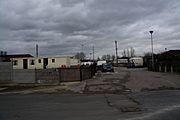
x=39, y=60
x=53, y=60
x=31, y=62
x=15, y=62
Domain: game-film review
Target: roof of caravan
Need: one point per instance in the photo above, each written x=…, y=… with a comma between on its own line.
x=19, y=55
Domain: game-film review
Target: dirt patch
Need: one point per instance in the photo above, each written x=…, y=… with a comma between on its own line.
x=108, y=83
x=122, y=103
x=106, y=88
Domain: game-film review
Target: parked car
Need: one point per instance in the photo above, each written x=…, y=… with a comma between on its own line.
x=107, y=67
x=99, y=64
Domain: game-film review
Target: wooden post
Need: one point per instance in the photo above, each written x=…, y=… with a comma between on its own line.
x=59, y=82
x=36, y=81
x=165, y=69
x=12, y=72
x=80, y=70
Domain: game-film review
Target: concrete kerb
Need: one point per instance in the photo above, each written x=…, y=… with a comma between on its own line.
x=40, y=90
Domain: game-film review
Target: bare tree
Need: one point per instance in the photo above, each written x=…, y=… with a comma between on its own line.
x=103, y=57
x=98, y=58
x=132, y=52
x=106, y=57
x=80, y=56
x=147, y=54
x=124, y=53
x=128, y=52
x=113, y=57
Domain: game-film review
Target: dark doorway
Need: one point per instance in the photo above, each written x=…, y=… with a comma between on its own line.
x=45, y=62
x=25, y=64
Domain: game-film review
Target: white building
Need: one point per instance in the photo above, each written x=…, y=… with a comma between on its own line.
x=44, y=62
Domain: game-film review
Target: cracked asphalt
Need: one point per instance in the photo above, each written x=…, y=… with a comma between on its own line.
x=126, y=94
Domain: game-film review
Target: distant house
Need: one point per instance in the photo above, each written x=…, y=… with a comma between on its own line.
x=172, y=52
x=43, y=62
x=168, y=61
x=3, y=56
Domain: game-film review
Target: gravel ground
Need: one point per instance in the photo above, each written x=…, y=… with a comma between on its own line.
x=142, y=80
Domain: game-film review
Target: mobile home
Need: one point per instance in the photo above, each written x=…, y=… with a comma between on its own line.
x=44, y=62
x=136, y=61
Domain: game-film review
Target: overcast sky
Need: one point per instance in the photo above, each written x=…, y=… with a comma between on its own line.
x=61, y=27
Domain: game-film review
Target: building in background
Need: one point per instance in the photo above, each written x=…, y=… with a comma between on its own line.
x=2, y=56
x=8, y=58
x=123, y=61
x=44, y=62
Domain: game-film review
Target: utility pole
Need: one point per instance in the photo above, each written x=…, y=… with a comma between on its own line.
x=82, y=45
x=93, y=52
x=90, y=56
x=37, y=50
x=116, y=53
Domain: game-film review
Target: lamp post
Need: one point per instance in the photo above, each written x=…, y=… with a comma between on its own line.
x=152, y=54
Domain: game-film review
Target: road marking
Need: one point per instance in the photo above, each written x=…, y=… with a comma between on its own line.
x=149, y=115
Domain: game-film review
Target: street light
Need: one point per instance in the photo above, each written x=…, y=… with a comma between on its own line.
x=152, y=54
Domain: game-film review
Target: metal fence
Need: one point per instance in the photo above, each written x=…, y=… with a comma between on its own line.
x=164, y=68
x=5, y=71
x=59, y=75
x=46, y=76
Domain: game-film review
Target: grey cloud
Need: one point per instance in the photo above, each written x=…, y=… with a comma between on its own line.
x=61, y=26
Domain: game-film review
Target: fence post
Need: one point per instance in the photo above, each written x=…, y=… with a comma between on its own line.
x=12, y=72
x=80, y=70
x=59, y=82
x=91, y=71
x=165, y=68
x=171, y=69
x=159, y=68
x=36, y=75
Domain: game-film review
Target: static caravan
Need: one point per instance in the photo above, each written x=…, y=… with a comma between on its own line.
x=136, y=61
x=58, y=61
x=23, y=63
x=43, y=62
x=123, y=61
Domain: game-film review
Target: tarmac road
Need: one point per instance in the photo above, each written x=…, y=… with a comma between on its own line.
x=158, y=105
x=162, y=105
x=103, y=98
